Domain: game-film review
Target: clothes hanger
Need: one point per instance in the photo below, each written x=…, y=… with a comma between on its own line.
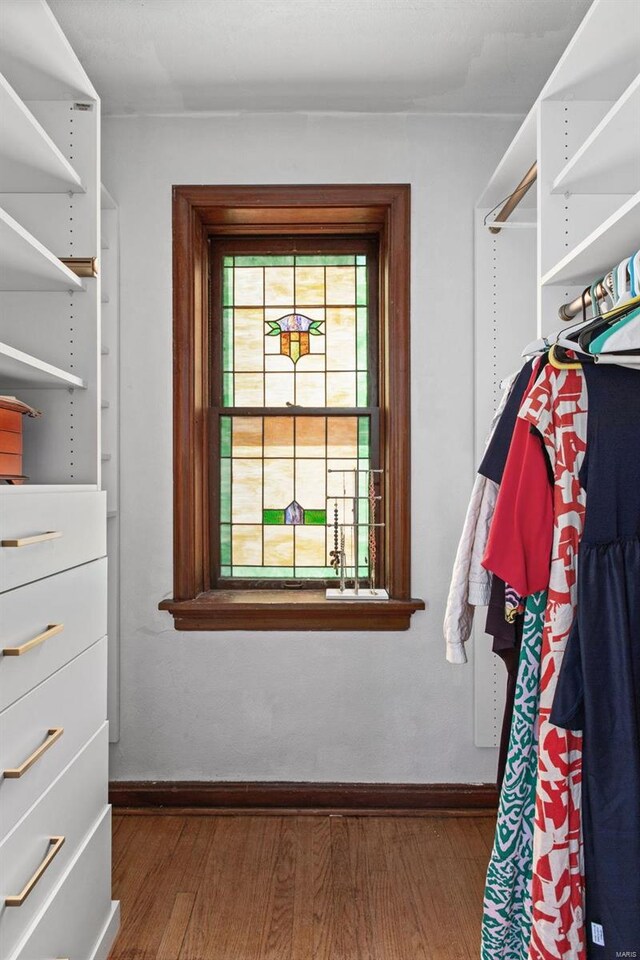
x=559, y=363
x=542, y=344
x=601, y=325
x=558, y=356
x=622, y=315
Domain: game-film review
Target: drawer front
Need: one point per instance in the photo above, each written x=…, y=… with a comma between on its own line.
x=77, y=914
x=43, y=533
x=68, y=809
x=42, y=732
x=10, y=442
x=76, y=600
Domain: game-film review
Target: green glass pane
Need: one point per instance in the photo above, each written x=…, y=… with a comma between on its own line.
x=361, y=259
x=264, y=572
x=315, y=517
x=225, y=491
x=363, y=436
x=227, y=286
x=225, y=571
x=227, y=338
x=225, y=436
x=316, y=572
x=225, y=543
x=227, y=261
x=227, y=390
x=326, y=260
x=362, y=338
x=265, y=261
x=273, y=516
x=361, y=285
x=362, y=393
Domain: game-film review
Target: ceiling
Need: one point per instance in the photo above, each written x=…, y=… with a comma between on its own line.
x=191, y=56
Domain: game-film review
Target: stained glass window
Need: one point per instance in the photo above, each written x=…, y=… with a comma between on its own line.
x=294, y=334
x=295, y=331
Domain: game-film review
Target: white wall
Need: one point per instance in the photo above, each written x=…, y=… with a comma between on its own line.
x=307, y=706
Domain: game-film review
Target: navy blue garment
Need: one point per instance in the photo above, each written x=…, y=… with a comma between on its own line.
x=495, y=456
x=598, y=689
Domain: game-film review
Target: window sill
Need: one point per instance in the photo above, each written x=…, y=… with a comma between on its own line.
x=281, y=610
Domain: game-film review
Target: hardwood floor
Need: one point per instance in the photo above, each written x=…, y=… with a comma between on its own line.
x=259, y=887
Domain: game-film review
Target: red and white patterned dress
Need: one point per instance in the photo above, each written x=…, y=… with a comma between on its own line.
x=557, y=407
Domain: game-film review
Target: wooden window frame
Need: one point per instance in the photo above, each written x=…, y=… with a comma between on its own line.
x=380, y=210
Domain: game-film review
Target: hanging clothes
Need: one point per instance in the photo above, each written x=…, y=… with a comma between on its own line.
x=557, y=408
x=506, y=631
x=506, y=918
x=470, y=582
x=519, y=543
x=599, y=687
x=524, y=503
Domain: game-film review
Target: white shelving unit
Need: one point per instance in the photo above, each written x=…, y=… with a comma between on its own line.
x=615, y=237
x=30, y=160
x=38, y=57
x=584, y=133
x=594, y=167
x=51, y=358
x=19, y=370
x=26, y=264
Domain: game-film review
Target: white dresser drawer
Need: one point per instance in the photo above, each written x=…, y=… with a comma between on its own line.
x=43, y=533
x=76, y=916
x=68, y=809
x=46, y=728
x=75, y=599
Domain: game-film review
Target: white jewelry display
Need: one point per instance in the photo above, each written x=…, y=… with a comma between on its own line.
x=362, y=588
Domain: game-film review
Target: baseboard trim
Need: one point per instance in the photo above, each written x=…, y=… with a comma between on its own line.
x=284, y=797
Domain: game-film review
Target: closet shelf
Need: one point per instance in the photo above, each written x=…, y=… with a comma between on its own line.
x=45, y=68
x=609, y=159
x=601, y=59
x=516, y=161
x=30, y=162
x=20, y=370
x=25, y=264
x=617, y=237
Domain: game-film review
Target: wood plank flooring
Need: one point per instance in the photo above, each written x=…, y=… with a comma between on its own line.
x=325, y=887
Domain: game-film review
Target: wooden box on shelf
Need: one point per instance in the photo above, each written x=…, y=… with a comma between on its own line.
x=12, y=411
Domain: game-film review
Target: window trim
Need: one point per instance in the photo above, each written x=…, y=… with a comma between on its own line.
x=198, y=212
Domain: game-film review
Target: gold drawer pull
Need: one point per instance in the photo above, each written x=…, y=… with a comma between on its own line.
x=53, y=734
x=55, y=845
x=51, y=631
x=27, y=541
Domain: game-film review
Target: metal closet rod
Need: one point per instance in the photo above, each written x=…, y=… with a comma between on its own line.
x=516, y=197
x=570, y=310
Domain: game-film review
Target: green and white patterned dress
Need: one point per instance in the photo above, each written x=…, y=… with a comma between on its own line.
x=506, y=920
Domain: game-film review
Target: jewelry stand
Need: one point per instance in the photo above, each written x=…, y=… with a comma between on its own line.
x=339, y=560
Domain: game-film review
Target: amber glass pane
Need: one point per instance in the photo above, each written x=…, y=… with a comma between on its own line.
x=311, y=440
x=278, y=436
